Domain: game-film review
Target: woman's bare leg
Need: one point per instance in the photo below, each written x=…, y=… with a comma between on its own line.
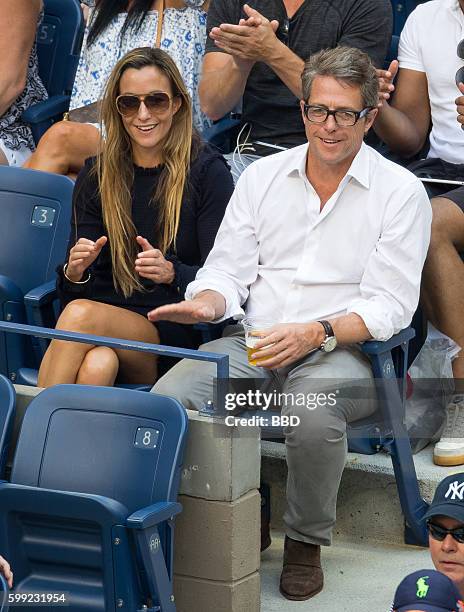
x=70, y=362
x=3, y=159
x=64, y=148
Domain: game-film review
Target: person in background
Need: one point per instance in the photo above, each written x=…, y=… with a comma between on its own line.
x=146, y=212
x=113, y=29
x=20, y=84
x=422, y=113
x=427, y=591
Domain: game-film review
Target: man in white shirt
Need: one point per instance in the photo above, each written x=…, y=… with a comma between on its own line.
x=328, y=240
x=424, y=95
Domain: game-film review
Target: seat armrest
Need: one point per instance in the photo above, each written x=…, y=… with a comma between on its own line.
x=376, y=347
x=153, y=515
x=38, y=302
x=63, y=504
x=47, y=109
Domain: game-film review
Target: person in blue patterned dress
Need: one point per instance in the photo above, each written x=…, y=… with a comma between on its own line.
x=113, y=29
x=20, y=85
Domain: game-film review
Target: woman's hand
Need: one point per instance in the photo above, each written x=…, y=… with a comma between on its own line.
x=82, y=255
x=151, y=264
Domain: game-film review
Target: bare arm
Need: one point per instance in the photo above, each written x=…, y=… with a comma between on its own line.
x=404, y=124
x=18, y=24
x=225, y=74
x=222, y=83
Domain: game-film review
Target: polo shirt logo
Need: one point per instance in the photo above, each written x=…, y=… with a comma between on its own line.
x=456, y=490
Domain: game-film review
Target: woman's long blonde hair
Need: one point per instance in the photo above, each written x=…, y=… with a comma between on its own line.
x=115, y=169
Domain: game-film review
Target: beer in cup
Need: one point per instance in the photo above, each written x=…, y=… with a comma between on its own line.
x=253, y=326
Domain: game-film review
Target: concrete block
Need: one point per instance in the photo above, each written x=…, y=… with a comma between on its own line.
x=195, y=595
x=221, y=463
x=24, y=396
x=218, y=540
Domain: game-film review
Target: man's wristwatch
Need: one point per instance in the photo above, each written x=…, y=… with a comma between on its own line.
x=330, y=341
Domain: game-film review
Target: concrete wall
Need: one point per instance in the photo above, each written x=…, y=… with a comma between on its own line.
x=217, y=536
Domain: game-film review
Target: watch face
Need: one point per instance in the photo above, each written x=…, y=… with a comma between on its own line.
x=329, y=344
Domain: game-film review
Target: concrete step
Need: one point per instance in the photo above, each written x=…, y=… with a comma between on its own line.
x=357, y=577
x=368, y=506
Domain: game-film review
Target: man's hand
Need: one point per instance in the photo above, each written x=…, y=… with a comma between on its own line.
x=460, y=105
x=82, y=255
x=386, y=78
x=151, y=264
x=190, y=312
x=252, y=39
x=286, y=343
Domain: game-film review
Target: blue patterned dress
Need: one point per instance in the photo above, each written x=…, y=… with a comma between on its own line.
x=183, y=37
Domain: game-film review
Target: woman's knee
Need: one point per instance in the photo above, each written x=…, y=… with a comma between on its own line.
x=99, y=367
x=445, y=216
x=85, y=316
x=57, y=138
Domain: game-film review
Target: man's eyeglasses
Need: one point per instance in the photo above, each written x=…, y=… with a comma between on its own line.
x=439, y=533
x=343, y=118
x=156, y=102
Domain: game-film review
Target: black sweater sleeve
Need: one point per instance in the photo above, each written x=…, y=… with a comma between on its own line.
x=86, y=222
x=212, y=188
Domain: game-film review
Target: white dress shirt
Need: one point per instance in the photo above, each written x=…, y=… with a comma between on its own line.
x=428, y=43
x=291, y=262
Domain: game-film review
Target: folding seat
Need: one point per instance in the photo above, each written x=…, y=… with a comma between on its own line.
x=35, y=209
x=89, y=508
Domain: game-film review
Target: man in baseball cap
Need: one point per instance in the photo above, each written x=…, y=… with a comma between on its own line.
x=427, y=591
x=445, y=524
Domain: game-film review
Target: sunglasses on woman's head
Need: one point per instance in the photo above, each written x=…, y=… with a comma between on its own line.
x=156, y=102
x=439, y=533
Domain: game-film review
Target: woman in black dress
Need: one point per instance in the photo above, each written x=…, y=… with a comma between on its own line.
x=146, y=212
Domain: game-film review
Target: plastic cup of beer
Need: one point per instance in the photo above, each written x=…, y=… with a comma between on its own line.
x=253, y=327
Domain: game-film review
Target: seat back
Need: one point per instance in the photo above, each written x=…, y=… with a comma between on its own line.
x=36, y=212
x=123, y=444
x=59, y=40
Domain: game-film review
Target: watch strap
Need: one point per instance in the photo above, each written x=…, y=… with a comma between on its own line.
x=328, y=328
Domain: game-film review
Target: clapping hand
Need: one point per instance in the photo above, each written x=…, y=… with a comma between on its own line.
x=151, y=263
x=460, y=105
x=253, y=39
x=82, y=255
x=386, y=78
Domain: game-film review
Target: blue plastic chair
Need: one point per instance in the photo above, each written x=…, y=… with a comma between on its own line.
x=90, y=504
x=36, y=212
x=7, y=415
x=59, y=41
x=385, y=430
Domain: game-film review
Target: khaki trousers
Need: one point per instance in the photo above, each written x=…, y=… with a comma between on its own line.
x=317, y=447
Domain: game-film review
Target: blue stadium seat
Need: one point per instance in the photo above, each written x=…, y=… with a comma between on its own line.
x=90, y=504
x=35, y=208
x=59, y=41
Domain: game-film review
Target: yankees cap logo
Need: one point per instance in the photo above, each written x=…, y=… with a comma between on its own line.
x=455, y=491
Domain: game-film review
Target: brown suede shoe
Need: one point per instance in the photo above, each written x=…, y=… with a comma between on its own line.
x=302, y=576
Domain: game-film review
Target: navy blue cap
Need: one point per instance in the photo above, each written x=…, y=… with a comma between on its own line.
x=449, y=498
x=427, y=590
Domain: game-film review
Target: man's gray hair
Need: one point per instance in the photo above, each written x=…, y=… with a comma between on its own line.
x=344, y=64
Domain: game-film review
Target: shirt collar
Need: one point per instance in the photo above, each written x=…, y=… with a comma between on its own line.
x=359, y=169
